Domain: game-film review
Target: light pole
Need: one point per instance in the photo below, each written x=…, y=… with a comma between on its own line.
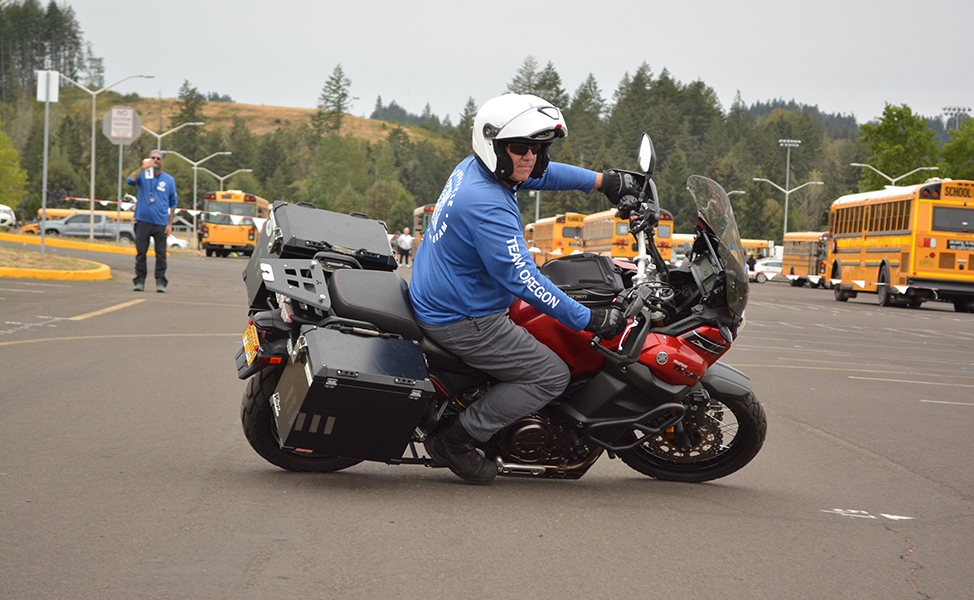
x=94, y=95
x=196, y=166
x=736, y=192
x=892, y=181
x=787, y=193
x=955, y=111
x=226, y=176
x=159, y=136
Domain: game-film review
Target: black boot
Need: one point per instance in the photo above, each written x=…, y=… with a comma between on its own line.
x=455, y=448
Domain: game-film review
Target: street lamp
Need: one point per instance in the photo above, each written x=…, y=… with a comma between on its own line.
x=955, y=111
x=226, y=176
x=159, y=136
x=91, y=194
x=196, y=166
x=787, y=193
x=892, y=181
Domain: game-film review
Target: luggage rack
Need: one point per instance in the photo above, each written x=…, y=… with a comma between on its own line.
x=301, y=279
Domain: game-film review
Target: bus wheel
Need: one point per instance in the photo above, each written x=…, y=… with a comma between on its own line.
x=964, y=305
x=840, y=294
x=883, y=288
x=209, y=252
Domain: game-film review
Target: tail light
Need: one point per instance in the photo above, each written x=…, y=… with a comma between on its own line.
x=250, y=236
x=928, y=242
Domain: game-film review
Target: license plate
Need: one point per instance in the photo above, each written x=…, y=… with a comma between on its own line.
x=251, y=345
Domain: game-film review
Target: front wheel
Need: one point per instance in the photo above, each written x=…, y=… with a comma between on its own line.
x=726, y=438
x=261, y=430
x=760, y=278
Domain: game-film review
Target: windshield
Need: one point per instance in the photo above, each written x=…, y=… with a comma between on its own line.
x=226, y=209
x=714, y=208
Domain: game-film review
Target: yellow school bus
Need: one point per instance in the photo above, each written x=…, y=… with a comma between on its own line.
x=556, y=236
x=603, y=233
x=906, y=244
x=805, y=258
x=759, y=248
x=227, y=225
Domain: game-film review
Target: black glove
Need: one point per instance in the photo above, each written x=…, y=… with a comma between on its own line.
x=615, y=185
x=606, y=323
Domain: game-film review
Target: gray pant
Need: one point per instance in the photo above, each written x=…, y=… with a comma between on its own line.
x=530, y=374
x=143, y=231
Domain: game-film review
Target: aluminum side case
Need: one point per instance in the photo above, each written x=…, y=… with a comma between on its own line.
x=350, y=395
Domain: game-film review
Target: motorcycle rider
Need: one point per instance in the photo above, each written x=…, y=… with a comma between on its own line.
x=473, y=261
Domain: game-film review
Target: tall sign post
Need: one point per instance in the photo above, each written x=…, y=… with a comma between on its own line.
x=121, y=125
x=47, y=92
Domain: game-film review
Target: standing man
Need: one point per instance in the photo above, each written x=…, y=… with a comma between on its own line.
x=473, y=262
x=405, y=247
x=154, y=214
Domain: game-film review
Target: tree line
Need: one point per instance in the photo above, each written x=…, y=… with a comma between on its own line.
x=320, y=162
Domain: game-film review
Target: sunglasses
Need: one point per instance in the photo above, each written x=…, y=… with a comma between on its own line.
x=522, y=149
x=157, y=158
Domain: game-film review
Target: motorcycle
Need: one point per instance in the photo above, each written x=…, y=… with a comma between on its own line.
x=339, y=372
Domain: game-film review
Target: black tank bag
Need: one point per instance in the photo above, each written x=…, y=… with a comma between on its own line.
x=590, y=279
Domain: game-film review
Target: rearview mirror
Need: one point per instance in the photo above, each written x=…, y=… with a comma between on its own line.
x=647, y=156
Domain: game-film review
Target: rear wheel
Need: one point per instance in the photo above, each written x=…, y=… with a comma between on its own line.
x=261, y=430
x=840, y=294
x=760, y=278
x=883, y=292
x=728, y=436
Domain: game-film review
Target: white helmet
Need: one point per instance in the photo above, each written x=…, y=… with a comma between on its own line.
x=515, y=118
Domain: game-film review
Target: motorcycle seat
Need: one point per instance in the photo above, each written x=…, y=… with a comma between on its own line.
x=377, y=297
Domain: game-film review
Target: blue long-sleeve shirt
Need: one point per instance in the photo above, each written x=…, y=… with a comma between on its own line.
x=473, y=259
x=155, y=197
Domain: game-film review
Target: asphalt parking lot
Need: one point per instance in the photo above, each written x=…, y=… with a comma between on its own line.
x=124, y=472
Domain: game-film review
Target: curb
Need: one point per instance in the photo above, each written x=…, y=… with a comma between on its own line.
x=100, y=273
x=60, y=243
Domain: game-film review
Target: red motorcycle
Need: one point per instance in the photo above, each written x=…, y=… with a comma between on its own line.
x=339, y=371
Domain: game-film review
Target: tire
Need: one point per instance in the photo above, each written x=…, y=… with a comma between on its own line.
x=126, y=239
x=261, y=431
x=209, y=252
x=760, y=278
x=885, y=296
x=964, y=305
x=714, y=456
x=841, y=295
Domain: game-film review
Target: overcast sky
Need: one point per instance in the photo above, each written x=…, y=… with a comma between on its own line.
x=843, y=56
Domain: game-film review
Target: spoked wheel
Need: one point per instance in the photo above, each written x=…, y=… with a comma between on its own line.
x=261, y=430
x=726, y=438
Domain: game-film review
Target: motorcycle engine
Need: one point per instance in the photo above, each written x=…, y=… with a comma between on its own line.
x=535, y=440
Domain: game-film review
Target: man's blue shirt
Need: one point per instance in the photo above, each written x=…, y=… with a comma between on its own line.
x=155, y=197
x=473, y=260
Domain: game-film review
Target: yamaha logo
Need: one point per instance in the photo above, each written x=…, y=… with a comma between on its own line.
x=661, y=358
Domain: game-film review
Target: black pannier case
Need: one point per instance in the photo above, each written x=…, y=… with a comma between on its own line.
x=296, y=231
x=590, y=279
x=350, y=395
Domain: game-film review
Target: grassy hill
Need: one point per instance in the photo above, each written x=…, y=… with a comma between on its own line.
x=260, y=119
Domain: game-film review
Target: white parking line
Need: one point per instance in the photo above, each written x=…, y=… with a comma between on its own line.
x=945, y=402
x=964, y=385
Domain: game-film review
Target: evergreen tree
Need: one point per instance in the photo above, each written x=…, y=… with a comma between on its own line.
x=899, y=143
x=548, y=87
x=188, y=141
x=334, y=102
x=526, y=80
x=462, y=134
